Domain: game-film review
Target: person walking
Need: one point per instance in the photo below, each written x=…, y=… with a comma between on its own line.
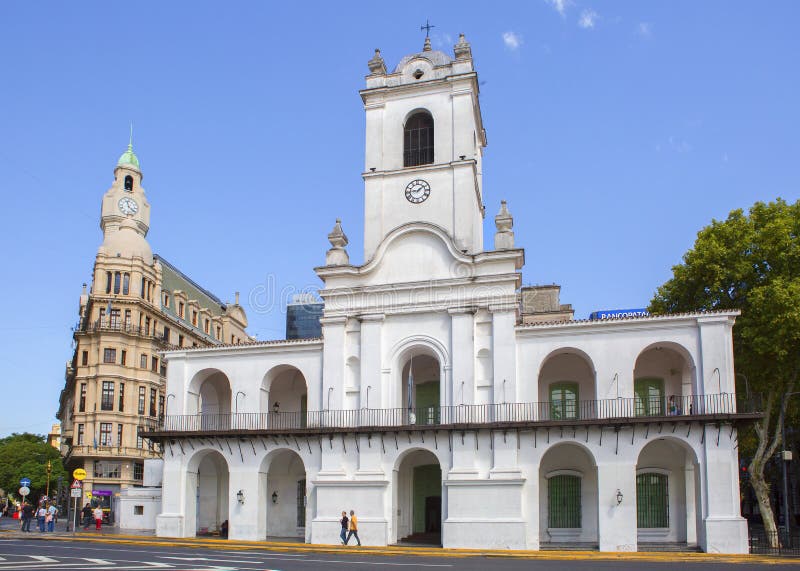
x=41, y=514
x=86, y=514
x=353, y=528
x=345, y=523
x=98, y=518
x=27, y=516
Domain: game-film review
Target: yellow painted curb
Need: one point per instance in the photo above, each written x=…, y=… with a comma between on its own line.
x=427, y=552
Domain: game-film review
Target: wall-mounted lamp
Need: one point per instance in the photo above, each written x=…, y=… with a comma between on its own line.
x=276, y=407
x=240, y=496
x=619, y=497
x=274, y=497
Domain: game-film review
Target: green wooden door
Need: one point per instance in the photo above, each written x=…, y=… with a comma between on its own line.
x=563, y=400
x=564, y=501
x=652, y=500
x=649, y=394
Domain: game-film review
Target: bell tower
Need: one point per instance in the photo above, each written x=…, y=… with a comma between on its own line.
x=424, y=146
x=125, y=213
x=125, y=203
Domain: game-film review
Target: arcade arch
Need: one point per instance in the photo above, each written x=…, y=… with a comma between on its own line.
x=568, y=499
x=417, y=498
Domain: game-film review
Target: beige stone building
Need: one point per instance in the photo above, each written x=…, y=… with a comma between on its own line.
x=137, y=305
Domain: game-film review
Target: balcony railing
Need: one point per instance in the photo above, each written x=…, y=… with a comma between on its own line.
x=118, y=326
x=694, y=407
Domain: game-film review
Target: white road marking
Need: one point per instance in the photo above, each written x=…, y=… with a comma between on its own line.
x=43, y=558
x=98, y=561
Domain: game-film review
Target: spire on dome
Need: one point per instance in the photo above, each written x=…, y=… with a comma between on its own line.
x=129, y=158
x=427, y=47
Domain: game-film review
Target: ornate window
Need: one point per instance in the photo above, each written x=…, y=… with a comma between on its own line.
x=652, y=500
x=418, y=140
x=564, y=501
x=105, y=434
x=140, y=408
x=82, y=399
x=107, y=397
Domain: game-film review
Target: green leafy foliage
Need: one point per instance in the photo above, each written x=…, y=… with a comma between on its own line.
x=25, y=456
x=752, y=263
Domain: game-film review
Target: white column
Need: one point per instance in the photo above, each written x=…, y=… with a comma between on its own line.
x=371, y=386
x=725, y=528
x=504, y=319
x=244, y=521
x=332, y=396
x=616, y=523
x=462, y=350
x=172, y=521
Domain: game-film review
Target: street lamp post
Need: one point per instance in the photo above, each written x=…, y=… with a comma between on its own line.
x=785, y=459
x=47, y=489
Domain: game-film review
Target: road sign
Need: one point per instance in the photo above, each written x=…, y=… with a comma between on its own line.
x=76, y=484
x=79, y=473
x=24, y=491
x=25, y=482
x=75, y=493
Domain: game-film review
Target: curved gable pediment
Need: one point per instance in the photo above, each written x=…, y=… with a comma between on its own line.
x=412, y=253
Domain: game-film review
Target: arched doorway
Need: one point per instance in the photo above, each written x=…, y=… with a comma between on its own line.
x=421, y=374
x=667, y=494
x=284, y=397
x=206, y=493
x=284, y=494
x=663, y=382
x=567, y=386
x=417, y=502
x=211, y=390
x=568, y=496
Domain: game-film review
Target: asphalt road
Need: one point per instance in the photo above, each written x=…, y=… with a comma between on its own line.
x=23, y=554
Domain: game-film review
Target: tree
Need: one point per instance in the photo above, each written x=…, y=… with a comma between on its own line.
x=750, y=262
x=25, y=456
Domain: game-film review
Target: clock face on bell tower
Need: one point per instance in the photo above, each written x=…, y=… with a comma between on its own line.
x=417, y=191
x=424, y=146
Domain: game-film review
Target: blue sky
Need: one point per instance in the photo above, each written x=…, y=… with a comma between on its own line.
x=616, y=131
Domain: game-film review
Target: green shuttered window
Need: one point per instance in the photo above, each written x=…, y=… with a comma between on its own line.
x=563, y=400
x=564, y=501
x=652, y=500
x=649, y=393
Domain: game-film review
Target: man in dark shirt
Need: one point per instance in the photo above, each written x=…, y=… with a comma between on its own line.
x=86, y=514
x=27, y=516
x=345, y=523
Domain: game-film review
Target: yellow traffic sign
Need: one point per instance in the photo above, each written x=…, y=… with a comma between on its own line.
x=79, y=473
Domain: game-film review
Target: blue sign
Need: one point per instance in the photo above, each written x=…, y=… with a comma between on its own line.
x=25, y=482
x=618, y=313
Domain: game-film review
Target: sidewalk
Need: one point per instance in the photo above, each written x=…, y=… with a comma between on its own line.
x=113, y=535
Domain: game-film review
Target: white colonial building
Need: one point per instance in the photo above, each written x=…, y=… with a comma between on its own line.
x=430, y=406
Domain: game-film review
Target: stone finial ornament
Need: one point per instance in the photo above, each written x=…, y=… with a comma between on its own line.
x=337, y=255
x=504, y=237
x=462, y=49
x=376, y=65
x=427, y=47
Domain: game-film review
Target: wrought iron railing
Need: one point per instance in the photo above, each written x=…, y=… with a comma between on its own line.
x=117, y=326
x=537, y=412
x=779, y=542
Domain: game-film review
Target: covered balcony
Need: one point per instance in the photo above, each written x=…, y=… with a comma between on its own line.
x=618, y=412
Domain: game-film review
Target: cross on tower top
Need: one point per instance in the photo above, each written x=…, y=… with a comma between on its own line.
x=427, y=27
